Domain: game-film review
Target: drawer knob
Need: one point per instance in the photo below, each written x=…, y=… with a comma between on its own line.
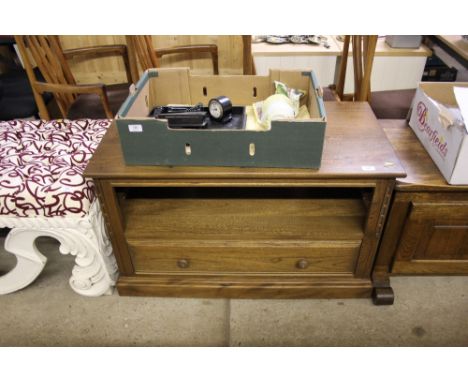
x=183, y=263
x=302, y=264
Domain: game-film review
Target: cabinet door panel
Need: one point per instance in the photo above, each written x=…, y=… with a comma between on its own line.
x=445, y=242
x=434, y=239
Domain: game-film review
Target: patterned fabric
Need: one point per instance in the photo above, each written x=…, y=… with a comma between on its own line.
x=42, y=165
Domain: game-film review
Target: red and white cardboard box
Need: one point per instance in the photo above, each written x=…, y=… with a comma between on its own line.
x=445, y=140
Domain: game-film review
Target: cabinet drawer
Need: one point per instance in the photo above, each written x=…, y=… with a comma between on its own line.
x=256, y=257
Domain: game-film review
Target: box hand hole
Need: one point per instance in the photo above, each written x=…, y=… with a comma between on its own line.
x=205, y=92
x=188, y=149
x=252, y=149
x=255, y=92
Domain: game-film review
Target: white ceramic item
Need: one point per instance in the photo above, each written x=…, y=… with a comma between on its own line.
x=275, y=107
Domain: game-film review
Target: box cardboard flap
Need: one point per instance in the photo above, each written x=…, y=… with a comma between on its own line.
x=459, y=172
x=135, y=105
x=461, y=95
x=441, y=91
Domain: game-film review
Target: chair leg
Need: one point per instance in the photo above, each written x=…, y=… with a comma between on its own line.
x=95, y=271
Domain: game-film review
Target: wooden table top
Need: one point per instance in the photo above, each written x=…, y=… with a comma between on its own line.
x=384, y=50
x=422, y=173
x=355, y=147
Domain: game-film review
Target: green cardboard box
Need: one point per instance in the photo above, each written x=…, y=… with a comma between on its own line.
x=288, y=144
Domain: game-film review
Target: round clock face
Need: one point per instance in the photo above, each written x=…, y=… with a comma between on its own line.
x=216, y=109
x=220, y=107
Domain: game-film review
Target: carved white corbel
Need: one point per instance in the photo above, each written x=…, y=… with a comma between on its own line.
x=95, y=271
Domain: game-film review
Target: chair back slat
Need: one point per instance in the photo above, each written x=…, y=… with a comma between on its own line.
x=363, y=48
x=49, y=58
x=368, y=61
x=144, y=51
x=148, y=56
x=343, y=66
x=247, y=58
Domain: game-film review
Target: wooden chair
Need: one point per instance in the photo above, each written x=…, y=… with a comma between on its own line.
x=248, y=63
x=363, y=58
x=74, y=101
x=389, y=104
x=148, y=56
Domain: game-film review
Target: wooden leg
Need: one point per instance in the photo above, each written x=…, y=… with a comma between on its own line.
x=382, y=293
x=383, y=296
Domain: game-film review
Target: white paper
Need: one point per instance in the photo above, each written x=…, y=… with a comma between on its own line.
x=461, y=95
x=135, y=128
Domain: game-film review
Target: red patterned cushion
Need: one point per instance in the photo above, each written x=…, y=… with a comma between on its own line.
x=42, y=164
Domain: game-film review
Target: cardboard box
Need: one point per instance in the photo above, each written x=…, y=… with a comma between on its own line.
x=446, y=144
x=149, y=141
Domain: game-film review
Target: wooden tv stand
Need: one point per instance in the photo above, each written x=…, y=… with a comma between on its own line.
x=253, y=232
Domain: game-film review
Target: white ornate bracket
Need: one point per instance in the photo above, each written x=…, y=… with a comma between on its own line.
x=95, y=271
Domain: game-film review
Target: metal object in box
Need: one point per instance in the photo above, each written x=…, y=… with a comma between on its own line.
x=149, y=141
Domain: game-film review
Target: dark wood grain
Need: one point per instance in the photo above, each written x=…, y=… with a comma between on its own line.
x=434, y=238
x=422, y=173
x=343, y=65
x=243, y=256
x=249, y=219
x=244, y=286
x=247, y=58
x=376, y=217
x=427, y=228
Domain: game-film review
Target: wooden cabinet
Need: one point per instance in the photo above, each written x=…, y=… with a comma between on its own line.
x=252, y=232
x=434, y=233
x=435, y=237
x=427, y=227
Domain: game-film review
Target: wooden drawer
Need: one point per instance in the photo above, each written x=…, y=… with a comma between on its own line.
x=434, y=238
x=255, y=257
